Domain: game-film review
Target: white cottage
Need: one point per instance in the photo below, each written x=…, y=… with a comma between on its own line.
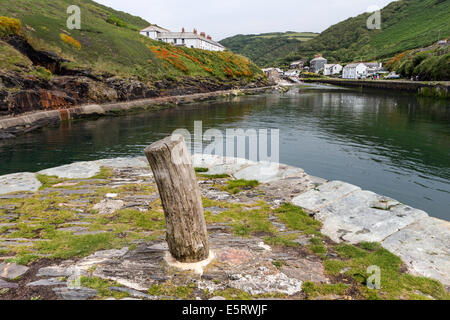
x=185, y=39
x=317, y=64
x=361, y=70
x=332, y=69
x=354, y=71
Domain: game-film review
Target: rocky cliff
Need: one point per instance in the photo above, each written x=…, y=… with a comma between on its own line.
x=66, y=87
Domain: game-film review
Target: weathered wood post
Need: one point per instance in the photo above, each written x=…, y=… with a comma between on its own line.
x=171, y=164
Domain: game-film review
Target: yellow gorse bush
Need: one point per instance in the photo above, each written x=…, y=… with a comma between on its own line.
x=69, y=40
x=10, y=26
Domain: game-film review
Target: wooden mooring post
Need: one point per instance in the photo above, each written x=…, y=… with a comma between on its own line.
x=174, y=173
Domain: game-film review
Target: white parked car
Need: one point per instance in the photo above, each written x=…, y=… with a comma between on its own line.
x=392, y=75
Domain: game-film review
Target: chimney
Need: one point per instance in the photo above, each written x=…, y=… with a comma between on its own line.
x=195, y=31
x=203, y=35
x=209, y=37
x=182, y=30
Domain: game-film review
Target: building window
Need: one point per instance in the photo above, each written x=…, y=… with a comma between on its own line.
x=182, y=41
x=174, y=41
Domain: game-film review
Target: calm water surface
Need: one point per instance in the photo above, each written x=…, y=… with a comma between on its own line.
x=393, y=144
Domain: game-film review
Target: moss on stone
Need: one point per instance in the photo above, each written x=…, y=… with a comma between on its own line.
x=236, y=186
x=283, y=240
x=296, y=219
x=169, y=289
x=244, y=219
x=313, y=290
x=102, y=286
x=395, y=284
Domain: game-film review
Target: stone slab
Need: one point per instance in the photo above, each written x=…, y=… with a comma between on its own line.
x=424, y=246
x=356, y=218
x=46, y=283
x=12, y=270
x=78, y=170
x=75, y=293
x=16, y=182
x=230, y=166
x=133, y=293
x=8, y=285
x=57, y=271
x=206, y=160
x=265, y=172
x=324, y=195
x=108, y=206
x=138, y=162
x=264, y=281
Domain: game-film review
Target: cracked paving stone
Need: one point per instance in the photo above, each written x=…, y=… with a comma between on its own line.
x=46, y=283
x=8, y=285
x=12, y=270
x=75, y=293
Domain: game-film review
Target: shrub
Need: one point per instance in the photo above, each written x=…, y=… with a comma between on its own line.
x=116, y=21
x=69, y=40
x=10, y=26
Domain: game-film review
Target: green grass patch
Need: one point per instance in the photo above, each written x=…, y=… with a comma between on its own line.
x=233, y=294
x=236, y=186
x=296, y=219
x=102, y=286
x=318, y=247
x=394, y=283
x=200, y=170
x=48, y=181
x=215, y=176
x=245, y=220
x=313, y=290
x=66, y=246
x=169, y=289
x=105, y=173
x=282, y=240
x=148, y=220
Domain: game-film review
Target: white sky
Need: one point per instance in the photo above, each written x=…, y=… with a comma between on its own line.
x=224, y=18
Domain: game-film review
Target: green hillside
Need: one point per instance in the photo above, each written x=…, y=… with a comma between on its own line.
x=406, y=24
x=267, y=49
x=108, y=42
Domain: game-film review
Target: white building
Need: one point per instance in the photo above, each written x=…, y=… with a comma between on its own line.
x=317, y=64
x=332, y=69
x=361, y=70
x=185, y=39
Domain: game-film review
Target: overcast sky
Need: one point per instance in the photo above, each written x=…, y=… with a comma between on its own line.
x=224, y=18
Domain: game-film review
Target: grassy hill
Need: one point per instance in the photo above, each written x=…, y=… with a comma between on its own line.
x=108, y=43
x=406, y=24
x=268, y=49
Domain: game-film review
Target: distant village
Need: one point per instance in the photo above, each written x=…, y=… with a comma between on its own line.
x=320, y=66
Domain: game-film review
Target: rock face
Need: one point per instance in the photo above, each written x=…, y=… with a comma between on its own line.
x=71, y=87
x=19, y=182
x=424, y=246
